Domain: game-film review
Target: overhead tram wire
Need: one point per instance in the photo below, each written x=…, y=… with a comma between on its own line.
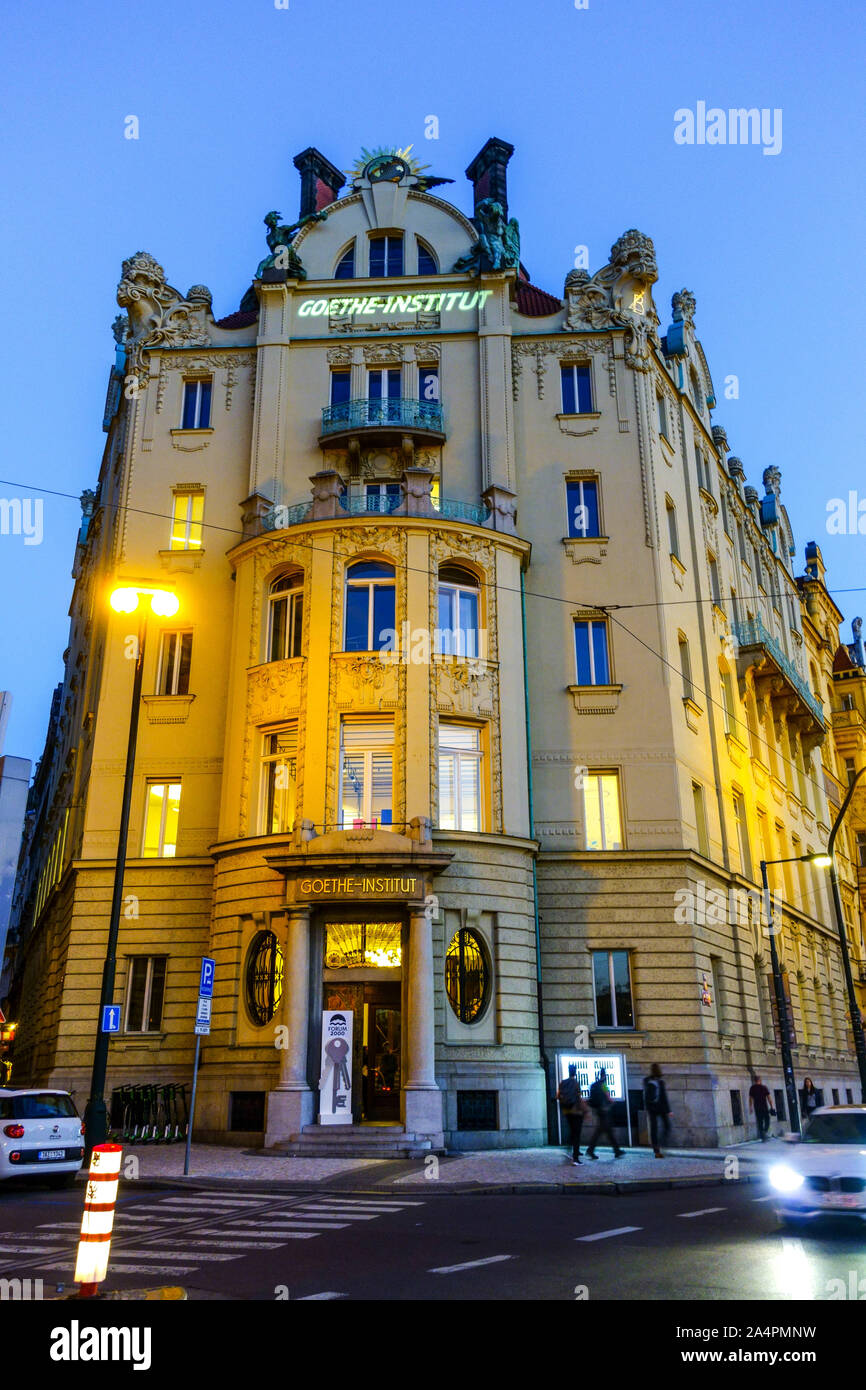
x=607, y=609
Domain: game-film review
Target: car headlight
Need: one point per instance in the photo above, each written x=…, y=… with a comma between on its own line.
x=785, y=1179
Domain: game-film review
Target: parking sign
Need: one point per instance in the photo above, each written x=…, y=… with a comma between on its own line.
x=208, y=969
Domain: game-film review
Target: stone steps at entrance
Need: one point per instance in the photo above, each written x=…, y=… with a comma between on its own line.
x=353, y=1141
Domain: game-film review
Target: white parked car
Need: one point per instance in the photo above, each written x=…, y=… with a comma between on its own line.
x=41, y=1135
x=826, y=1172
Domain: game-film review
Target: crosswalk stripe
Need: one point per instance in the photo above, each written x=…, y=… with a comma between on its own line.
x=312, y=1297
x=704, y=1211
x=355, y=1216
x=121, y=1267
x=605, y=1235
x=471, y=1264
x=208, y=1202
x=374, y=1203
x=143, y=1253
x=31, y=1250
x=267, y=1226
x=189, y=1245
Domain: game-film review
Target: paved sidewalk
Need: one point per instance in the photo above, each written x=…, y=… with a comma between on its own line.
x=516, y=1170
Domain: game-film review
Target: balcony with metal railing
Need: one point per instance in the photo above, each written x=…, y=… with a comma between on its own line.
x=279, y=517
x=383, y=419
x=759, y=649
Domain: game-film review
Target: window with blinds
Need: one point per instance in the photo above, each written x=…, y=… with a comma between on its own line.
x=366, y=773
x=459, y=776
x=279, y=780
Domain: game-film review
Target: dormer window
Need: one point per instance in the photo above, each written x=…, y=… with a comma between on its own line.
x=426, y=260
x=386, y=256
x=346, y=265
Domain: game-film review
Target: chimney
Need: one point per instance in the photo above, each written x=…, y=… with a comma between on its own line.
x=320, y=181
x=487, y=173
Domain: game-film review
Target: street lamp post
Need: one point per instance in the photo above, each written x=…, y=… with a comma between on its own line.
x=781, y=1002
x=853, y=1007
x=164, y=604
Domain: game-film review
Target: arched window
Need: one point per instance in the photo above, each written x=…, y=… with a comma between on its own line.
x=427, y=264
x=346, y=265
x=264, y=977
x=457, y=632
x=285, y=617
x=467, y=976
x=369, y=607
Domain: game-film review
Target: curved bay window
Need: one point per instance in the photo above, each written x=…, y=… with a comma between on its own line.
x=285, y=617
x=457, y=633
x=467, y=976
x=369, y=606
x=264, y=977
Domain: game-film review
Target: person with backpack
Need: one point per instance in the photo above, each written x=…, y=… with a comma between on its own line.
x=601, y=1105
x=573, y=1108
x=656, y=1102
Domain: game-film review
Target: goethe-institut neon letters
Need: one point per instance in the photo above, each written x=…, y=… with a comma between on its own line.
x=395, y=304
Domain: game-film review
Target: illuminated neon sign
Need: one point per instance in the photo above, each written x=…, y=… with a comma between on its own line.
x=395, y=304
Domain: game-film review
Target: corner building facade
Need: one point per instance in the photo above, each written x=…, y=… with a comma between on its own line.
x=447, y=480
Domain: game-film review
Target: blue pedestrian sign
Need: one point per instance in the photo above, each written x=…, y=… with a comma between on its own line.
x=111, y=1018
x=208, y=968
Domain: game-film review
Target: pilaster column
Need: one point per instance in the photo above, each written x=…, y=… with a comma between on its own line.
x=290, y=1105
x=296, y=996
x=420, y=1066
x=422, y=1097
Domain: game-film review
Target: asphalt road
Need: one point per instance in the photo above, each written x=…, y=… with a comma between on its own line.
x=720, y=1242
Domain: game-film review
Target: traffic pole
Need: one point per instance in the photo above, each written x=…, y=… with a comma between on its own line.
x=91, y=1265
x=189, y=1122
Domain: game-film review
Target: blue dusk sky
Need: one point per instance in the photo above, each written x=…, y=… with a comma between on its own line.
x=226, y=93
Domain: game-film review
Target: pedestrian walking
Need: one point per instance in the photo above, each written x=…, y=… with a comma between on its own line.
x=759, y=1102
x=573, y=1108
x=808, y=1099
x=601, y=1105
x=657, y=1107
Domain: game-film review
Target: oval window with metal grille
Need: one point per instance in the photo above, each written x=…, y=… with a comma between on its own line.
x=467, y=976
x=264, y=977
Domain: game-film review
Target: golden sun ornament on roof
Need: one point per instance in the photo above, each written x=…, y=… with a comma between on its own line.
x=386, y=164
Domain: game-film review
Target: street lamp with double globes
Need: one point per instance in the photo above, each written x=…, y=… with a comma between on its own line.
x=164, y=604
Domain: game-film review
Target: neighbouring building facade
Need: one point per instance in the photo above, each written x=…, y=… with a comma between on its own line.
x=491, y=683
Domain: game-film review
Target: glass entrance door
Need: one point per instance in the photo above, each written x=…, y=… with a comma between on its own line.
x=382, y=1052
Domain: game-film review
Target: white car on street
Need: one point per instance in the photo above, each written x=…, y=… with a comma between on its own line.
x=825, y=1174
x=41, y=1135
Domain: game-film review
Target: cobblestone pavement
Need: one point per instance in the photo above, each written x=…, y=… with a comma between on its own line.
x=491, y=1168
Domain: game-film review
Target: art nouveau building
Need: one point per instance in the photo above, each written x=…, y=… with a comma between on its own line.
x=488, y=671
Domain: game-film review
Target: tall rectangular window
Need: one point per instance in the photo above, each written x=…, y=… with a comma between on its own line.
x=428, y=384
x=186, y=520
x=341, y=387
x=386, y=256
x=366, y=772
x=686, y=668
x=742, y=825
x=726, y=525
x=602, y=822
x=279, y=780
x=145, y=994
x=581, y=497
x=611, y=978
x=196, y=404
x=162, y=810
x=175, y=654
x=662, y=416
x=590, y=648
x=731, y=708
x=576, y=388
x=285, y=617
x=673, y=538
x=715, y=587
x=459, y=776
x=701, y=819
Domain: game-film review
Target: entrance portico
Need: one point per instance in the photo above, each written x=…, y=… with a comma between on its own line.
x=359, y=908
